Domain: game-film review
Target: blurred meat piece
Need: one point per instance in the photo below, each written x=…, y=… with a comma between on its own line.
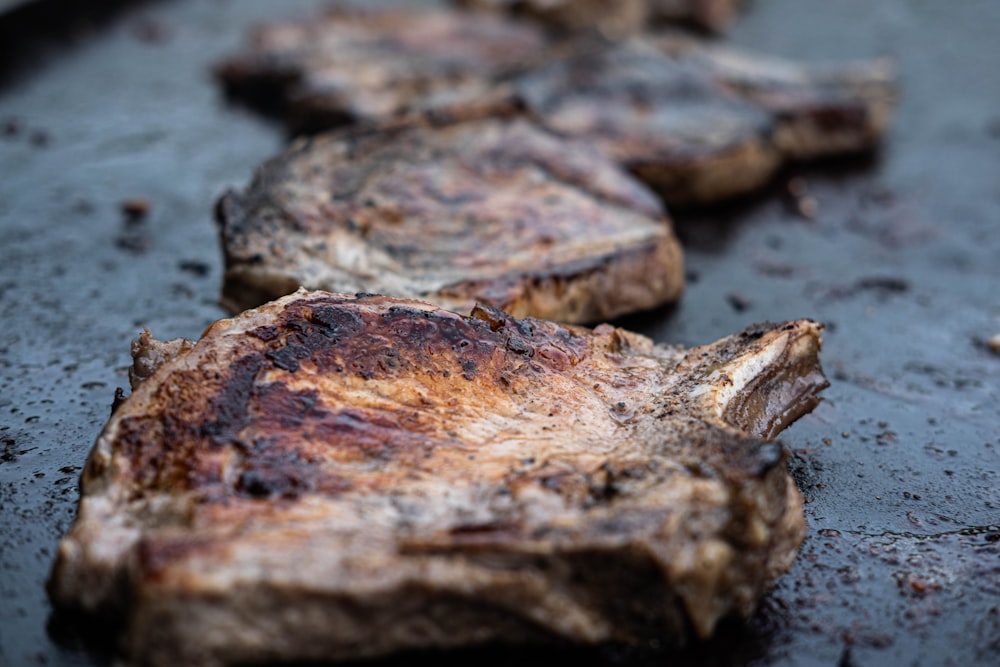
x=700, y=122
x=355, y=65
x=496, y=211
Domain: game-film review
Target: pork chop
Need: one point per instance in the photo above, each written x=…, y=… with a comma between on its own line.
x=332, y=477
x=353, y=65
x=700, y=123
x=495, y=210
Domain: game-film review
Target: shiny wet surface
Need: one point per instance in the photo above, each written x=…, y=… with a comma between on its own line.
x=897, y=255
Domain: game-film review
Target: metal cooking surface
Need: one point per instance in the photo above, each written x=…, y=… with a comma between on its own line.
x=899, y=465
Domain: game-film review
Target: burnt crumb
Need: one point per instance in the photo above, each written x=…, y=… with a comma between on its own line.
x=738, y=302
x=886, y=437
x=135, y=208
x=194, y=267
x=134, y=239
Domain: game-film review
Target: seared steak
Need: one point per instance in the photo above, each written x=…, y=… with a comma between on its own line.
x=354, y=65
x=332, y=476
x=700, y=123
x=496, y=211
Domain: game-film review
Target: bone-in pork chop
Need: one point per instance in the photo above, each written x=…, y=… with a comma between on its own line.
x=496, y=211
x=331, y=476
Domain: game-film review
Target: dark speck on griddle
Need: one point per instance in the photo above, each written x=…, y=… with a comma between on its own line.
x=738, y=302
x=194, y=267
x=135, y=208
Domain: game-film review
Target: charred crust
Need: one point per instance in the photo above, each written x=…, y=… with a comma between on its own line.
x=332, y=336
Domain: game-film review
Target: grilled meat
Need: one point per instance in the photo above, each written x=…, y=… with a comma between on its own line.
x=701, y=123
x=331, y=477
x=818, y=110
x=351, y=65
x=690, y=139
x=496, y=211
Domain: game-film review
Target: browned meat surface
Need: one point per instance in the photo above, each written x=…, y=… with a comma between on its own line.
x=701, y=123
x=332, y=476
x=496, y=211
x=354, y=65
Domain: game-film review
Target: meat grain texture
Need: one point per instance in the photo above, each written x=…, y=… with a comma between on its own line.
x=333, y=477
x=496, y=211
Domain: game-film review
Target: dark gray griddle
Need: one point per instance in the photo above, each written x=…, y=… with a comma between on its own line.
x=902, y=261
